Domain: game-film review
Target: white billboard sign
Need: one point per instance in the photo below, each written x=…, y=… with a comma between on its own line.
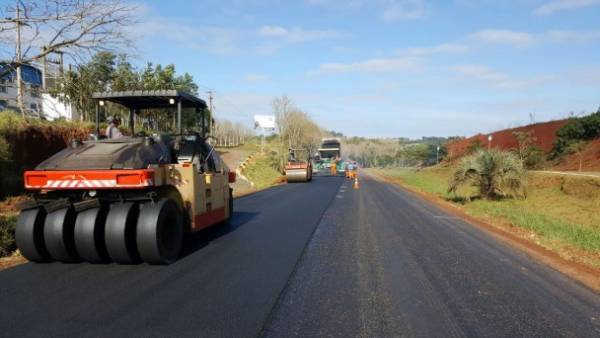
x=266, y=122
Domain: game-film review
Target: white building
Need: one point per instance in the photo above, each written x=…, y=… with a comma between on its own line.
x=32, y=79
x=36, y=100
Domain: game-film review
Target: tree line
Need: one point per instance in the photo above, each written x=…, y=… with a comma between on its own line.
x=395, y=152
x=107, y=71
x=230, y=134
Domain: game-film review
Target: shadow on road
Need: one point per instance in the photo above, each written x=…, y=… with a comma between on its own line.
x=196, y=241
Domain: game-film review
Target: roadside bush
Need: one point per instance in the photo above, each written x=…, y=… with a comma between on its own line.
x=494, y=173
x=475, y=146
x=577, y=129
x=534, y=158
x=7, y=234
x=274, y=160
x=25, y=142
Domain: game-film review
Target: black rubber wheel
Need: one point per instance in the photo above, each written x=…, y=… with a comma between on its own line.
x=89, y=235
x=160, y=232
x=230, y=213
x=29, y=235
x=59, y=237
x=119, y=233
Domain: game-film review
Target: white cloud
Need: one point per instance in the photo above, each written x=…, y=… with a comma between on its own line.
x=337, y=3
x=559, y=36
x=560, y=5
x=497, y=79
x=277, y=37
x=371, y=66
x=445, y=48
x=400, y=10
x=390, y=10
x=297, y=34
x=524, y=39
x=215, y=40
x=255, y=78
x=273, y=31
x=503, y=36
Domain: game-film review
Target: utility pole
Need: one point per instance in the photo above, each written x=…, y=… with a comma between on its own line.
x=210, y=101
x=18, y=59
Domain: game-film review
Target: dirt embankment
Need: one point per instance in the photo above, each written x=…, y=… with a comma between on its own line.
x=544, y=134
x=590, y=159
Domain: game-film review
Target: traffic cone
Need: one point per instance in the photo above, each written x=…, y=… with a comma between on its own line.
x=356, y=185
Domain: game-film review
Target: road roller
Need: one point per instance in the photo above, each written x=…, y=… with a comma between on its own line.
x=130, y=199
x=299, y=166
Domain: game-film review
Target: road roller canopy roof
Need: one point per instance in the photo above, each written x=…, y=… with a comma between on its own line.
x=151, y=99
x=167, y=101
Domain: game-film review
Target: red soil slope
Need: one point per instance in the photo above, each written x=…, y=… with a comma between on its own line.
x=590, y=159
x=544, y=134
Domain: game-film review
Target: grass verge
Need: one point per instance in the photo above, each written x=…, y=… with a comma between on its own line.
x=261, y=171
x=555, y=215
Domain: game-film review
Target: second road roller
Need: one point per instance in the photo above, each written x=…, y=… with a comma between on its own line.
x=299, y=166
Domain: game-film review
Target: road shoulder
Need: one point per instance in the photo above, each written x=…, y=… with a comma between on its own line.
x=584, y=274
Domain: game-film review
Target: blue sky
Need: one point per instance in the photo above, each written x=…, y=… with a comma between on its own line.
x=385, y=67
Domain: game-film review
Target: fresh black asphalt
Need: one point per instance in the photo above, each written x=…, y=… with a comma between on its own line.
x=311, y=260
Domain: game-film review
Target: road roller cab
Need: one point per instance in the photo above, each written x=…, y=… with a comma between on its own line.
x=133, y=198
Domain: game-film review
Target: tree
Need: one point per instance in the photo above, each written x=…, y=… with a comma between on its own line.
x=578, y=128
x=107, y=71
x=295, y=128
x=125, y=76
x=78, y=85
x=228, y=133
x=577, y=147
x=531, y=155
x=494, y=173
x=73, y=27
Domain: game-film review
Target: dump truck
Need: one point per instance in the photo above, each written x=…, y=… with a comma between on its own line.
x=299, y=166
x=328, y=158
x=131, y=199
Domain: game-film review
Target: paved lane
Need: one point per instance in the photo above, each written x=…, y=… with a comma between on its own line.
x=226, y=286
x=385, y=264
x=311, y=260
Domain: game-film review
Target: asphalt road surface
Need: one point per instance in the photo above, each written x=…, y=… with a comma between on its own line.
x=311, y=260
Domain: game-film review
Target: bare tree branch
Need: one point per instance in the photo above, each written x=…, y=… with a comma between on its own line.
x=74, y=27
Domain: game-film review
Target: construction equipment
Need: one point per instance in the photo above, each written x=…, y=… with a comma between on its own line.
x=129, y=199
x=299, y=166
x=329, y=157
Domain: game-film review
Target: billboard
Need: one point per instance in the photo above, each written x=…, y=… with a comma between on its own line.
x=266, y=122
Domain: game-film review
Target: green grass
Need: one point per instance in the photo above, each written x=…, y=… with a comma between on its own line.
x=549, y=228
x=559, y=212
x=430, y=180
x=261, y=171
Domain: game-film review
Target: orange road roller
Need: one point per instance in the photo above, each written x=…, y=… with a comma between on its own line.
x=299, y=166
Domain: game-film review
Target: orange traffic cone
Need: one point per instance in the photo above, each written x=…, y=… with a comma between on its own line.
x=356, y=185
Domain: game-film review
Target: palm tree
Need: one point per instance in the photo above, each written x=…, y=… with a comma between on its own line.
x=494, y=173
